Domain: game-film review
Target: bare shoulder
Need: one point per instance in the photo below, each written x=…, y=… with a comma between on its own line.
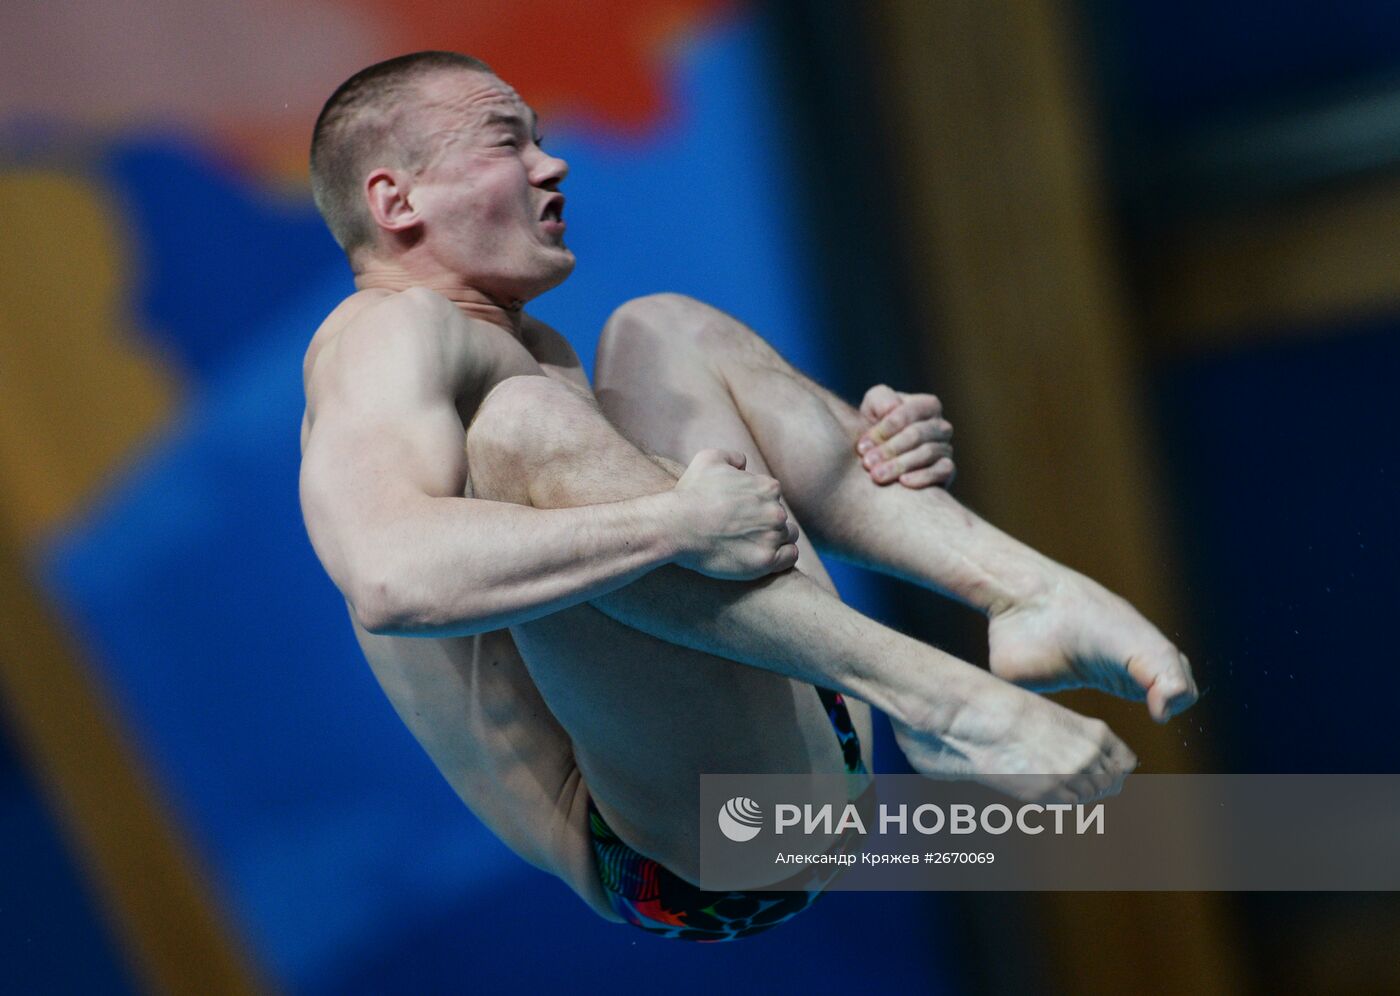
x=552, y=351
x=413, y=340
x=380, y=322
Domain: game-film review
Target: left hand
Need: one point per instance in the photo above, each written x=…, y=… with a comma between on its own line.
x=908, y=439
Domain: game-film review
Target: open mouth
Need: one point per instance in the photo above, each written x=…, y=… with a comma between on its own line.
x=554, y=209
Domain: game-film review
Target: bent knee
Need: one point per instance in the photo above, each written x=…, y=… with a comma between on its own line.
x=530, y=399
x=522, y=415
x=664, y=321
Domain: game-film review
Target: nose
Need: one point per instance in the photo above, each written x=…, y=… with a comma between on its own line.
x=549, y=171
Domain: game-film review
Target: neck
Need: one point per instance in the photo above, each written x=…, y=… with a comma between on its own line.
x=374, y=274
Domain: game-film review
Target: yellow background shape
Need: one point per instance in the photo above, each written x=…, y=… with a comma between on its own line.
x=78, y=391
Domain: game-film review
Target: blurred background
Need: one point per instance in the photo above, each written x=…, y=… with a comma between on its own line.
x=1148, y=253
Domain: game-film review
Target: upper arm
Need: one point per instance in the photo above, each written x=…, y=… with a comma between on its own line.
x=386, y=430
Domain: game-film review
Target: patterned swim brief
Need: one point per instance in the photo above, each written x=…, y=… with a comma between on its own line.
x=648, y=895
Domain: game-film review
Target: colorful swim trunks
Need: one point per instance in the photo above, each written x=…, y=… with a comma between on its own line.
x=648, y=895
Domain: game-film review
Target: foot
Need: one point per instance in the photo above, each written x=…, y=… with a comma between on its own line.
x=1077, y=634
x=1018, y=743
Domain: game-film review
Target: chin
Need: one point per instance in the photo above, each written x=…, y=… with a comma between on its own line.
x=552, y=278
x=527, y=284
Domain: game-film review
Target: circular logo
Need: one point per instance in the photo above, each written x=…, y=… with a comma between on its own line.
x=740, y=819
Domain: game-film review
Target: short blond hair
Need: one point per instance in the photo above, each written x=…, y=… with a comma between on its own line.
x=351, y=130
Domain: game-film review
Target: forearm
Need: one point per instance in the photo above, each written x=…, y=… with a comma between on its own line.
x=457, y=566
x=463, y=566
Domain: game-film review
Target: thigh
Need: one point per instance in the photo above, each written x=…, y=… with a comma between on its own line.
x=647, y=718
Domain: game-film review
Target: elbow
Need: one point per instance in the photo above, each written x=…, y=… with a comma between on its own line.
x=394, y=605
x=385, y=600
x=380, y=606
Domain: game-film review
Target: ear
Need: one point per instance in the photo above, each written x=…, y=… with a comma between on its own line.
x=390, y=197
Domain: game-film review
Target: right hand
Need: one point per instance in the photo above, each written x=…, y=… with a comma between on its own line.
x=733, y=525
x=1019, y=743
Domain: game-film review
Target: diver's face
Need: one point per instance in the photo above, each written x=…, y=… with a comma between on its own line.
x=486, y=192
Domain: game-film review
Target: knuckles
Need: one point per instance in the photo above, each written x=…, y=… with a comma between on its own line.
x=878, y=395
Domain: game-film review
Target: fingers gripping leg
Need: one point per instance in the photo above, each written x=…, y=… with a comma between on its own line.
x=663, y=373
